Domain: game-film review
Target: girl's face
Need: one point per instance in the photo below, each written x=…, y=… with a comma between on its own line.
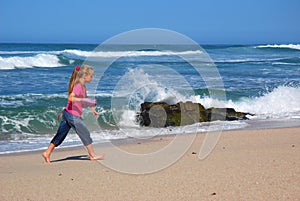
x=89, y=77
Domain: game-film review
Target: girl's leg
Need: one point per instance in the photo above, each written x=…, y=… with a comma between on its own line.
x=84, y=135
x=92, y=153
x=61, y=134
x=46, y=154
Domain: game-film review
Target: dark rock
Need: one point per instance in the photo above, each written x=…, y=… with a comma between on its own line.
x=161, y=114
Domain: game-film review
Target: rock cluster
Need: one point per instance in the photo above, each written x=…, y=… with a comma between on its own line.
x=161, y=114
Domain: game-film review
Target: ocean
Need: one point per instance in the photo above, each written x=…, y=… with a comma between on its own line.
x=263, y=80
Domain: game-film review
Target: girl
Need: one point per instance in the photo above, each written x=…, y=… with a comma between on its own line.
x=71, y=115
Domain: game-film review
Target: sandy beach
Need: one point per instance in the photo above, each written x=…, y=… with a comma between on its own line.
x=245, y=165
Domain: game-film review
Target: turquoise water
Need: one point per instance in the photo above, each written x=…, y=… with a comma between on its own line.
x=260, y=79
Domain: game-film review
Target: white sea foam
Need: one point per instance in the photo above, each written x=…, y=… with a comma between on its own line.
x=108, y=54
x=20, y=99
x=282, y=102
x=39, y=60
x=248, y=60
x=30, y=52
x=146, y=87
x=288, y=46
x=50, y=58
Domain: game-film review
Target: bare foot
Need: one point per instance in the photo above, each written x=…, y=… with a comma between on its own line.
x=99, y=157
x=46, y=157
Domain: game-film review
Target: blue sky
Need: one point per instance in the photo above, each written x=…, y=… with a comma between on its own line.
x=94, y=21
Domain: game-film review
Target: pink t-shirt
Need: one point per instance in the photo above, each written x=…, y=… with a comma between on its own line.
x=75, y=108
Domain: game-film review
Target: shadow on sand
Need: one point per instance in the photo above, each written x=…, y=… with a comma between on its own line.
x=73, y=158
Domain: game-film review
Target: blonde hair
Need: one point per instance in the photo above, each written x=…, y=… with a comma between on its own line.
x=78, y=73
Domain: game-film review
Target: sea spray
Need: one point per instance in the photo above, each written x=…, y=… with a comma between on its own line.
x=283, y=101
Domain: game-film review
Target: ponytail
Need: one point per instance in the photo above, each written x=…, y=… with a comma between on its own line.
x=72, y=80
x=78, y=72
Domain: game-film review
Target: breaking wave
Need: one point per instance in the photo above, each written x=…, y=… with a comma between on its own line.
x=285, y=46
x=28, y=59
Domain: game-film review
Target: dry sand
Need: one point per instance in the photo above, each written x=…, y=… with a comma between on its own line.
x=245, y=165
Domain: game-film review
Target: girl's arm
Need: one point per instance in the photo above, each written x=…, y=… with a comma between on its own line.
x=95, y=113
x=72, y=98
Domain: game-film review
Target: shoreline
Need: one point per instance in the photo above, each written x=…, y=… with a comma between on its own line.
x=245, y=165
x=252, y=125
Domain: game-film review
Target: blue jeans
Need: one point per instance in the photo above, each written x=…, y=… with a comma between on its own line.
x=70, y=121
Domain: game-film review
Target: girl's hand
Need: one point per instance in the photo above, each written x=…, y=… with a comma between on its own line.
x=86, y=102
x=95, y=113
